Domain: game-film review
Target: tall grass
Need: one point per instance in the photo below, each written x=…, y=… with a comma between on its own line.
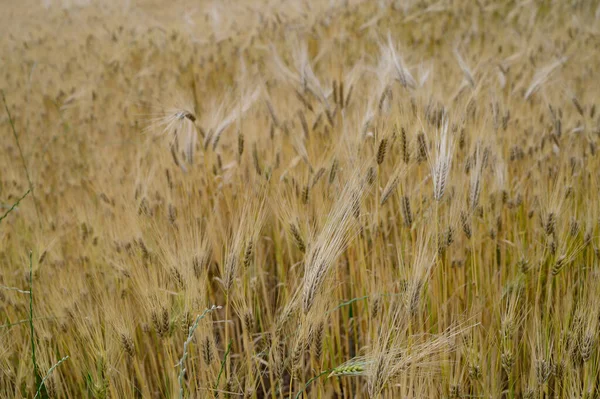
x=388, y=199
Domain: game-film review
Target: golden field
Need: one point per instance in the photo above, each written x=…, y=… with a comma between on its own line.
x=287, y=199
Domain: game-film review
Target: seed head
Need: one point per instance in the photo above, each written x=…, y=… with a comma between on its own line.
x=382, y=150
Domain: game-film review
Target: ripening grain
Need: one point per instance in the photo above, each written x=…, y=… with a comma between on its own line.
x=322, y=199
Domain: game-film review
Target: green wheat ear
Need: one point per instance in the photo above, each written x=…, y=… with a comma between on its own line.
x=353, y=368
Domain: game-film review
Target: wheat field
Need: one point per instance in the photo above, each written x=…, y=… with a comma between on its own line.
x=297, y=199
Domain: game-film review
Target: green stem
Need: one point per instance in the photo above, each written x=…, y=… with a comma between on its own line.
x=48, y=375
x=14, y=205
x=223, y=365
x=310, y=382
x=349, y=302
x=35, y=366
x=12, y=125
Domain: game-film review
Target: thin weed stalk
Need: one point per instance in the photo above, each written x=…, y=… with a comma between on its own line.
x=16, y=136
